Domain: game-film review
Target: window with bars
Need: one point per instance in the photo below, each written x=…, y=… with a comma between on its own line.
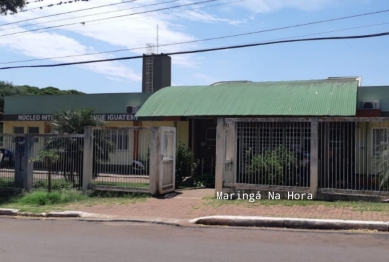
x=18, y=130
x=34, y=130
x=379, y=140
x=120, y=139
x=257, y=138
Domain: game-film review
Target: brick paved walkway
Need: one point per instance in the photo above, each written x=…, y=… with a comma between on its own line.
x=190, y=204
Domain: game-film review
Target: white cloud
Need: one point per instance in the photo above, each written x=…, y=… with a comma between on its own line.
x=123, y=32
x=42, y=45
x=200, y=16
x=267, y=6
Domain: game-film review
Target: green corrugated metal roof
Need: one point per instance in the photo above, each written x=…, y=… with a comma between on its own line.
x=292, y=98
x=51, y=104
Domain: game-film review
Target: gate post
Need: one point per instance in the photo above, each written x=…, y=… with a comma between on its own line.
x=220, y=155
x=230, y=155
x=27, y=165
x=314, y=155
x=154, y=161
x=87, y=170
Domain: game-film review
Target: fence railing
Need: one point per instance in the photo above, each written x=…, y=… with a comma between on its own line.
x=127, y=158
x=354, y=155
x=273, y=153
x=121, y=158
x=8, y=154
x=347, y=154
x=57, y=161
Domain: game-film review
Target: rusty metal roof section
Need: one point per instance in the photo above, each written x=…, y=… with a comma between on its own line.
x=330, y=97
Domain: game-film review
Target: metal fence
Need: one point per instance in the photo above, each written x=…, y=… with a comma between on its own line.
x=8, y=152
x=57, y=161
x=273, y=153
x=121, y=158
x=135, y=159
x=354, y=155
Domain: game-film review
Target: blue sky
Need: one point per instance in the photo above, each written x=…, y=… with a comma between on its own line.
x=367, y=58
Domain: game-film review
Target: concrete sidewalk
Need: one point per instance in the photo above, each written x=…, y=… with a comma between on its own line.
x=190, y=204
x=191, y=207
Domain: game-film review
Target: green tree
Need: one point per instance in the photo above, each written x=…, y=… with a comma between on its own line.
x=48, y=157
x=71, y=149
x=8, y=89
x=12, y=6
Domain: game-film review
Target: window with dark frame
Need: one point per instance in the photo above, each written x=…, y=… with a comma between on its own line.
x=34, y=130
x=19, y=130
x=120, y=140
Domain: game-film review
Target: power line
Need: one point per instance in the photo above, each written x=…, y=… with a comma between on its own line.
x=206, y=50
x=147, y=15
x=115, y=11
x=36, y=1
x=51, y=5
x=185, y=42
x=121, y=50
x=254, y=32
x=213, y=38
x=107, y=18
x=69, y=12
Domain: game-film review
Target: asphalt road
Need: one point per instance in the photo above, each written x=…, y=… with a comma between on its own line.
x=66, y=240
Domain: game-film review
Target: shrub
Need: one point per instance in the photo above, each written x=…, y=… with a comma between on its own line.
x=46, y=198
x=185, y=163
x=383, y=166
x=271, y=165
x=205, y=180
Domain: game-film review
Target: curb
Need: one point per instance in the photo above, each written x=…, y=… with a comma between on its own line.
x=296, y=223
x=65, y=214
x=89, y=217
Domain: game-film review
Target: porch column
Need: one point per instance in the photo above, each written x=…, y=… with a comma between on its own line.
x=220, y=154
x=314, y=167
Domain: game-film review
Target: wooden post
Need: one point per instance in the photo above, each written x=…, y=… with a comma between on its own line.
x=314, y=155
x=220, y=155
x=87, y=171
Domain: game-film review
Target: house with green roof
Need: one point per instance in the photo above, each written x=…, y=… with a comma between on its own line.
x=311, y=137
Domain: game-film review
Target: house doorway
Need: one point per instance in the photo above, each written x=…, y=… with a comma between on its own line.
x=203, y=144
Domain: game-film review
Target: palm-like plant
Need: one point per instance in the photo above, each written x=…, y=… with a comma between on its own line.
x=70, y=149
x=383, y=165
